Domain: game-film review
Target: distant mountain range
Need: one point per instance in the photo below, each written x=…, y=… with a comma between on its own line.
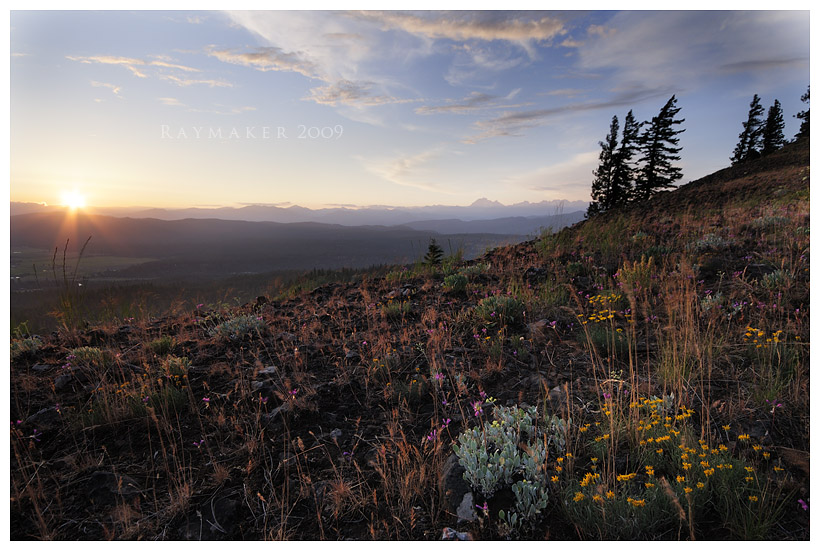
x=483, y=216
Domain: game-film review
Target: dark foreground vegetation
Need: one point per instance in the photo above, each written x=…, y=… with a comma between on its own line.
x=641, y=375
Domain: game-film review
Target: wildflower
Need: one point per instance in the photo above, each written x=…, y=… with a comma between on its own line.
x=803, y=504
x=743, y=437
x=610, y=494
x=578, y=497
x=597, y=498
x=680, y=479
x=753, y=499
x=688, y=490
x=555, y=479
x=483, y=507
x=701, y=485
x=636, y=502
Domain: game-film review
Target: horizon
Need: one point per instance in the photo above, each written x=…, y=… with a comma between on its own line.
x=398, y=109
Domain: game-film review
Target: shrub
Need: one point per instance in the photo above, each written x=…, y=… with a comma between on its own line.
x=511, y=452
x=25, y=347
x=500, y=310
x=475, y=270
x=455, y=283
x=91, y=356
x=162, y=346
x=395, y=310
x=777, y=280
x=239, y=327
x=710, y=242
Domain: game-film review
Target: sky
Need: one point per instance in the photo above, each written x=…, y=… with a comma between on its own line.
x=399, y=108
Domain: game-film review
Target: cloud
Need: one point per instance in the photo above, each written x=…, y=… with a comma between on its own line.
x=476, y=101
x=345, y=92
x=212, y=83
x=407, y=170
x=217, y=110
x=513, y=123
x=268, y=58
x=760, y=65
x=690, y=48
x=171, y=102
x=138, y=68
x=523, y=30
x=570, y=179
x=113, y=87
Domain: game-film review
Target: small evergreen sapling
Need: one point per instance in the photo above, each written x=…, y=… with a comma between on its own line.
x=434, y=254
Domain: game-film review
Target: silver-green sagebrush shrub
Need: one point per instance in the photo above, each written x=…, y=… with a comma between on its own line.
x=511, y=452
x=25, y=347
x=239, y=327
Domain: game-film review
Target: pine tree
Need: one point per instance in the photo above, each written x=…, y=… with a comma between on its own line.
x=749, y=145
x=804, y=117
x=773, y=138
x=434, y=254
x=658, y=147
x=623, y=180
x=602, y=184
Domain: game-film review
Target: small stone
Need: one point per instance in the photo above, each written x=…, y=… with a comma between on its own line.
x=466, y=510
x=40, y=368
x=45, y=419
x=449, y=534
x=62, y=381
x=269, y=371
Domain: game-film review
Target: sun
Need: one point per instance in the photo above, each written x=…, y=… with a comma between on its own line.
x=73, y=199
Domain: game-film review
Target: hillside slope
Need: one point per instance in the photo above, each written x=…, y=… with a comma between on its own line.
x=671, y=340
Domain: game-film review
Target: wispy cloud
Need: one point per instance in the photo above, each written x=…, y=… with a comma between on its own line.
x=524, y=30
x=140, y=68
x=688, y=48
x=345, y=92
x=406, y=170
x=212, y=83
x=217, y=109
x=269, y=58
x=113, y=87
x=476, y=101
x=566, y=180
x=755, y=65
x=513, y=123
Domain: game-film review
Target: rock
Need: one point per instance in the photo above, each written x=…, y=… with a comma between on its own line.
x=269, y=371
x=105, y=487
x=45, y=419
x=453, y=485
x=534, y=274
x=352, y=356
x=466, y=510
x=336, y=434
x=558, y=398
x=41, y=368
x=216, y=520
x=449, y=534
x=62, y=381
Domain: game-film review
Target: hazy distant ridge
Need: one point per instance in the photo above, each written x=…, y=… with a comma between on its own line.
x=482, y=209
